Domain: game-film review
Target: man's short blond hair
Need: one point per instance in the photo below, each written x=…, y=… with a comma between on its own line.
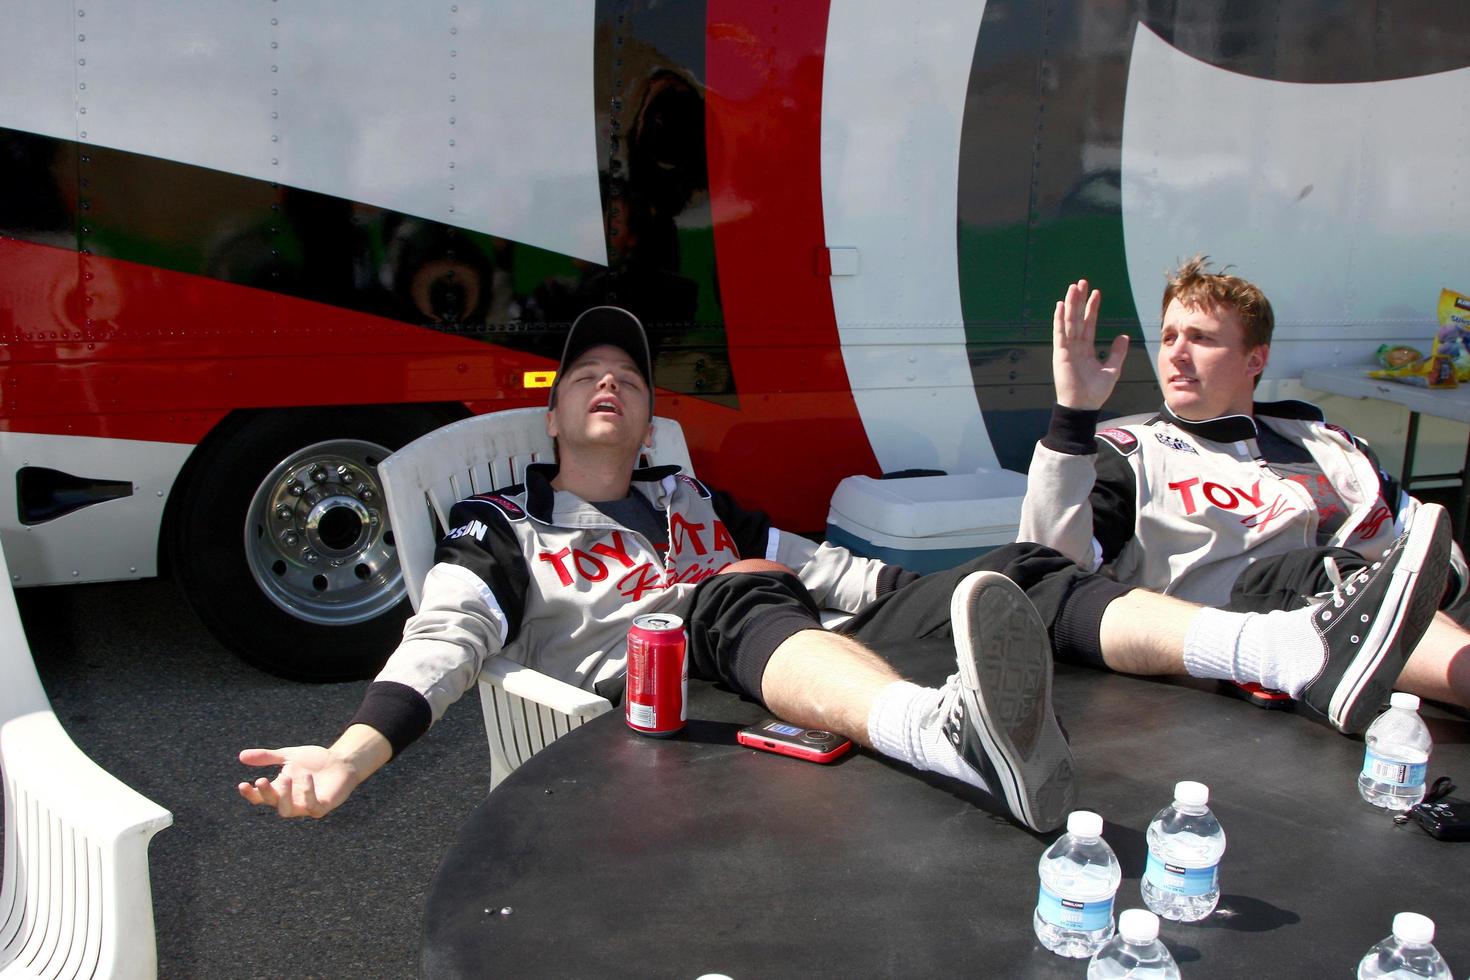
x=1194, y=286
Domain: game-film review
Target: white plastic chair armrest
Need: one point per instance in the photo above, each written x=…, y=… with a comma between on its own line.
x=41, y=757
x=524, y=682
x=76, y=844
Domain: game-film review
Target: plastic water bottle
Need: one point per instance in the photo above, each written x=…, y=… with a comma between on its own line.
x=1407, y=954
x=1397, y=757
x=1185, y=843
x=1135, y=952
x=1079, y=877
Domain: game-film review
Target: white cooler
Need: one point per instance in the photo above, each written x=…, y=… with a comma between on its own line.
x=927, y=523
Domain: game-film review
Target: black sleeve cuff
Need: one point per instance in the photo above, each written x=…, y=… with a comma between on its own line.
x=398, y=712
x=1071, y=431
x=891, y=578
x=752, y=649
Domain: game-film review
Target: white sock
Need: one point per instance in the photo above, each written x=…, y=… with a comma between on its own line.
x=904, y=724
x=1277, y=650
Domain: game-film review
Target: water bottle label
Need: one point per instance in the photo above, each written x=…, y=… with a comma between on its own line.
x=1066, y=913
x=1382, y=770
x=1176, y=880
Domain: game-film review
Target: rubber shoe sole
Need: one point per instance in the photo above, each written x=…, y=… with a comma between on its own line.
x=1005, y=677
x=1416, y=584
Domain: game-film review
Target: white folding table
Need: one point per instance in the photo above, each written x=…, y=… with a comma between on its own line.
x=1445, y=403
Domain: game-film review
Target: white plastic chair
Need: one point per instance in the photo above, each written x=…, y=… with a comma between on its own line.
x=525, y=710
x=75, y=900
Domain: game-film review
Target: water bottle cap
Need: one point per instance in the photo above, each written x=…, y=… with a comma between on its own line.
x=1191, y=793
x=1411, y=927
x=1084, y=823
x=1138, y=926
x=1398, y=699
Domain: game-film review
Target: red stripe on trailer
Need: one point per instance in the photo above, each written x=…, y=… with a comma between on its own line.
x=120, y=350
x=763, y=125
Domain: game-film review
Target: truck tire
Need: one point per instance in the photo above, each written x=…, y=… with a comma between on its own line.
x=281, y=543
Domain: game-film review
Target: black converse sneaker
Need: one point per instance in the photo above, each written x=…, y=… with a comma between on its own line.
x=996, y=711
x=1371, y=621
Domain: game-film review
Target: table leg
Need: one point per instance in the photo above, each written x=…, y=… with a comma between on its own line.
x=1406, y=474
x=1462, y=497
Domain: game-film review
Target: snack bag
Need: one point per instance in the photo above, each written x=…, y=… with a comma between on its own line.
x=1391, y=356
x=1448, y=362
x=1404, y=365
x=1418, y=373
x=1453, y=337
x=1442, y=372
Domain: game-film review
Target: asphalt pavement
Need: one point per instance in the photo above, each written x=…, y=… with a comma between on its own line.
x=145, y=691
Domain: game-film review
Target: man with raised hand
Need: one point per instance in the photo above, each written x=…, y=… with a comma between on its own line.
x=1238, y=504
x=508, y=581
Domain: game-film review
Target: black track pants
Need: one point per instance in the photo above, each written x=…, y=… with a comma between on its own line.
x=737, y=621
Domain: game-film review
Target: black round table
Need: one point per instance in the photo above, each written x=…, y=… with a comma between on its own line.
x=614, y=854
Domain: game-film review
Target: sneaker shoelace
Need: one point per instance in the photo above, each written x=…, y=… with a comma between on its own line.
x=950, y=709
x=1342, y=586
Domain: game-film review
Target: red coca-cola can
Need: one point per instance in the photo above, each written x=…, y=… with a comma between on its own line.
x=658, y=675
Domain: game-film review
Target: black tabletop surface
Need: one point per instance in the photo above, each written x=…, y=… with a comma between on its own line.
x=614, y=854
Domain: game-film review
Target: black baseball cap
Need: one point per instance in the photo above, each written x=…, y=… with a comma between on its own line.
x=610, y=325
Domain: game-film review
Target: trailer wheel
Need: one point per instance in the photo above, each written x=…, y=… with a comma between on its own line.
x=282, y=543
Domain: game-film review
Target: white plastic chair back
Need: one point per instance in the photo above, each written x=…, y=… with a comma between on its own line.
x=525, y=710
x=75, y=900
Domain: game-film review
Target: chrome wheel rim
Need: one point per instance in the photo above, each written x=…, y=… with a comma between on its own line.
x=317, y=536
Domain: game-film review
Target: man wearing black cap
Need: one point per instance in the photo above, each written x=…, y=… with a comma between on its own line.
x=552, y=573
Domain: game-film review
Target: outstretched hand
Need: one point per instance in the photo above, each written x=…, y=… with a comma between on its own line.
x=1082, y=381
x=313, y=780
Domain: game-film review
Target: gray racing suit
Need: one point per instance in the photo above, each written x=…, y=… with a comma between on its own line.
x=1184, y=507
x=545, y=578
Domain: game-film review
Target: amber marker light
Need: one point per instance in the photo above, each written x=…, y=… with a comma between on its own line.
x=538, y=379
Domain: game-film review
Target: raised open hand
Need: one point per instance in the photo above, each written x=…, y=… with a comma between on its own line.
x=1082, y=381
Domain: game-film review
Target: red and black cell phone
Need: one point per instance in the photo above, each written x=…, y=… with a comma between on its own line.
x=1257, y=695
x=811, y=744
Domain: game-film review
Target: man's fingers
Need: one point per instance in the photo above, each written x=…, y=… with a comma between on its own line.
x=262, y=757
x=1074, y=300
x=1094, y=301
x=266, y=790
x=1075, y=317
x=1117, y=352
x=1082, y=312
x=282, y=794
x=260, y=793
x=286, y=804
x=308, y=797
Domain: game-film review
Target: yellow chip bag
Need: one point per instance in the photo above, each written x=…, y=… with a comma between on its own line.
x=1448, y=362
x=1452, y=341
x=1415, y=373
